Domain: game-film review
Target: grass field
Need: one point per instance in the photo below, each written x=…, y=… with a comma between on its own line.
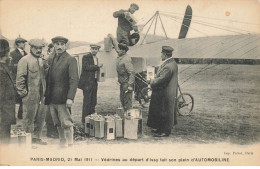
x=226, y=108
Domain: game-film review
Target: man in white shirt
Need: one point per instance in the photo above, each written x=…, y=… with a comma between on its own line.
x=88, y=81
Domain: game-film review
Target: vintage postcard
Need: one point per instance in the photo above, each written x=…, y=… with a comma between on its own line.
x=138, y=83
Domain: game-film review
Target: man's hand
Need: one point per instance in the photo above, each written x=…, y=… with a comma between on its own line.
x=69, y=103
x=135, y=29
x=129, y=89
x=110, y=36
x=100, y=65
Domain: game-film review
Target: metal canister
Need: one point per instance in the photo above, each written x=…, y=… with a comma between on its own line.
x=99, y=128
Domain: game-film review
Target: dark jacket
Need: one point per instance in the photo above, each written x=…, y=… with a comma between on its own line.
x=162, y=111
x=16, y=56
x=62, y=79
x=122, y=21
x=87, y=77
x=7, y=96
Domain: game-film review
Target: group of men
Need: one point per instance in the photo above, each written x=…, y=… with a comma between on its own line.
x=45, y=87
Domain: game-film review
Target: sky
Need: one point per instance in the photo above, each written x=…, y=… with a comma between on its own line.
x=91, y=21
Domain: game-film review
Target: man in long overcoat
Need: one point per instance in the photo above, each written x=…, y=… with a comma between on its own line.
x=7, y=94
x=162, y=111
x=31, y=85
x=16, y=55
x=88, y=81
x=62, y=83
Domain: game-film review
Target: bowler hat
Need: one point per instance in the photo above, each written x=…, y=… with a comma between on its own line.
x=59, y=38
x=123, y=46
x=18, y=40
x=4, y=45
x=167, y=49
x=36, y=43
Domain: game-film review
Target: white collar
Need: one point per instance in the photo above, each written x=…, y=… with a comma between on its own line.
x=20, y=50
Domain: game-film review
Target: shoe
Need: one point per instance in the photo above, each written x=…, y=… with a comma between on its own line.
x=52, y=135
x=161, y=135
x=39, y=141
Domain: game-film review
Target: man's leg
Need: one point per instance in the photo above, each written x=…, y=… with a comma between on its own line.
x=39, y=120
x=86, y=110
x=94, y=98
x=57, y=123
x=29, y=113
x=122, y=36
x=66, y=122
x=51, y=129
x=126, y=97
x=20, y=111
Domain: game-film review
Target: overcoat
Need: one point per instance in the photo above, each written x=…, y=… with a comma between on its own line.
x=7, y=97
x=62, y=79
x=162, y=111
x=16, y=56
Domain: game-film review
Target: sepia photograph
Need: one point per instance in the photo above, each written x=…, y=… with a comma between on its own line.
x=129, y=83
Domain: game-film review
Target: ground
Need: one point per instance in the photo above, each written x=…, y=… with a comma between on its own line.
x=226, y=108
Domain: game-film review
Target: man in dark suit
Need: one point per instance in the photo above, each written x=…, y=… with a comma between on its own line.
x=7, y=94
x=162, y=111
x=88, y=81
x=16, y=55
x=62, y=83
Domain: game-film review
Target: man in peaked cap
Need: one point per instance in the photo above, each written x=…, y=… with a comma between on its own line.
x=88, y=81
x=124, y=26
x=7, y=94
x=163, y=106
x=16, y=55
x=31, y=85
x=62, y=83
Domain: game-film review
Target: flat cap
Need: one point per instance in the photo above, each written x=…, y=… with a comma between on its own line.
x=123, y=46
x=95, y=46
x=50, y=45
x=36, y=42
x=167, y=49
x=135, y=5
x=59, y=38
x=17, y=40
x=4, y=45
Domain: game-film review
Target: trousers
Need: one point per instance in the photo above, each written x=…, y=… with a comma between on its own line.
x=125, y=98
x=89, y=101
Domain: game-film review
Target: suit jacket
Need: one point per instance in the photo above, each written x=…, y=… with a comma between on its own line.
x=62, y=79
x=30, y=79
x=164, y=96
x=7, y=96
x=87, y=77
x=16, y=56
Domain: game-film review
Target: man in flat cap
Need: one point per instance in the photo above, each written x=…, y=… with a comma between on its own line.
x=31, y=85
x=16, y=55
x=62, y=83
x=162, y=111
x=124, y=26
x=125, y=72
x=7, y=94
x=88, y=81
